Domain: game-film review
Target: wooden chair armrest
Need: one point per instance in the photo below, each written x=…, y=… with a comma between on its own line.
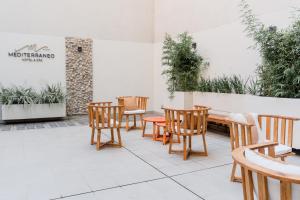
x=263, y=145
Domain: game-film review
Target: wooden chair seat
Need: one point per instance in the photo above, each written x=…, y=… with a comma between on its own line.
x=134, y=112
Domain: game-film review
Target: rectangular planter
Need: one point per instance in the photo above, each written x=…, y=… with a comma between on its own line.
x=240, y=103
x=33, y=111
x=180, y=100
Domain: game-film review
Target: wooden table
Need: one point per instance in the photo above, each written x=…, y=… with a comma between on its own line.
x=153, y=120
x=164, y=138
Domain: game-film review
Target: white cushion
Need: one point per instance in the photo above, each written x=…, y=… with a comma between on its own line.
x=238, y=117
x=187, y=130
x=261, y=136
x=271, y=164
x=280, y=149
x=273, y=185
x=131, y=112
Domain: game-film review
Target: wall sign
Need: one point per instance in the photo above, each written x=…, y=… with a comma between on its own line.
x=32, y=53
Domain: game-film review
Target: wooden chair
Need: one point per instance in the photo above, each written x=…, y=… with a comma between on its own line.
x=106, y=117
x=92, y=116
x=264, y=177
x=240, y=135
x=278, y=129
x=187, y=123
x=133, y=106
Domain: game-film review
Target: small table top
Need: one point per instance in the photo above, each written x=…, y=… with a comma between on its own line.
x=155, y=119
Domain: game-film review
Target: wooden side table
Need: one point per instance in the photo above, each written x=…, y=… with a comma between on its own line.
x=153, y=120
x=164, y=138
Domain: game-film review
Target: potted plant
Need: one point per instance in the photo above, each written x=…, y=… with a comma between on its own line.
x=183, y=66
x=19, y=103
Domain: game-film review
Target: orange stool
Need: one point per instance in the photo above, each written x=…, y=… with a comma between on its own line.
x=154, y=120
x=164, y=138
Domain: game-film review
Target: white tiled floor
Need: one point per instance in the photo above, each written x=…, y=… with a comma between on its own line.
x=59, y=163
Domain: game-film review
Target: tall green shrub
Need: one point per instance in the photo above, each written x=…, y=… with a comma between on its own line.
x=279, y=72
x=183, y=63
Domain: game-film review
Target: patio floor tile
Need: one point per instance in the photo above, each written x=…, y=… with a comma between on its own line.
x=59, y=163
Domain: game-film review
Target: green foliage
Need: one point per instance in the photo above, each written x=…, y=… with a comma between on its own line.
x=279, y=73
x=184, y=64
x=253, y=87
x=232, y=84
x=20, y=95
x=52, y=94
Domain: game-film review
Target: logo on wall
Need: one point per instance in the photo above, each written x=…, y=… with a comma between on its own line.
x=32, y=53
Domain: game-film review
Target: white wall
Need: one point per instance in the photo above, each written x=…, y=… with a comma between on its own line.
x=122, y=31
x=121, y=69
x=217, y=29
x=129, y=20
x=14, y=71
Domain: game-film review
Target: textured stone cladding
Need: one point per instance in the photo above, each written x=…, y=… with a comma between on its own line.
x=79, y=74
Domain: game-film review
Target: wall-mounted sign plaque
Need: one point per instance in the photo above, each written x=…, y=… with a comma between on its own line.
x=32, y=53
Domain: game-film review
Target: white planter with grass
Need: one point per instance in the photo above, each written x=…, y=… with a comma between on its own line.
x=244, y=103
x=33, y=111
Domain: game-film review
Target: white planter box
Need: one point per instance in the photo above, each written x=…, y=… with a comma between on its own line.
x=180, y=100
x=256, y=104
x=33, y=111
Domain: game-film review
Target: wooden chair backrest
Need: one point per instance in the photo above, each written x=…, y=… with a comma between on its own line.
x=278, y=128
x=92, y=113
x=105, y=116
x=186, y=122
x=260, y=181
x=240, y=134
x=141, y=102
x=201, y=107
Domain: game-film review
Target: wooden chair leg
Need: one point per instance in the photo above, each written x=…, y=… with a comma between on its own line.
x=127, y=122
x=112, y=135
x=144, y=128
x=141, y=118
x=134, y=121
x=154, y=131
x=98, y=139
x=184, y=148
x=204, y=144
x=171, y=142
x=178, y=138
x=233, y=178
x=93, y=136
x=119, y=137
x=164, y=136
x=190, y=143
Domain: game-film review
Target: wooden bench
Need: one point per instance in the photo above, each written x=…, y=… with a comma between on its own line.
x=218, y=119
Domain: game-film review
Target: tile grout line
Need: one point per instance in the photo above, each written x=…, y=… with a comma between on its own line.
x=108, y=188
x=167, y=176
x=199, y=170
